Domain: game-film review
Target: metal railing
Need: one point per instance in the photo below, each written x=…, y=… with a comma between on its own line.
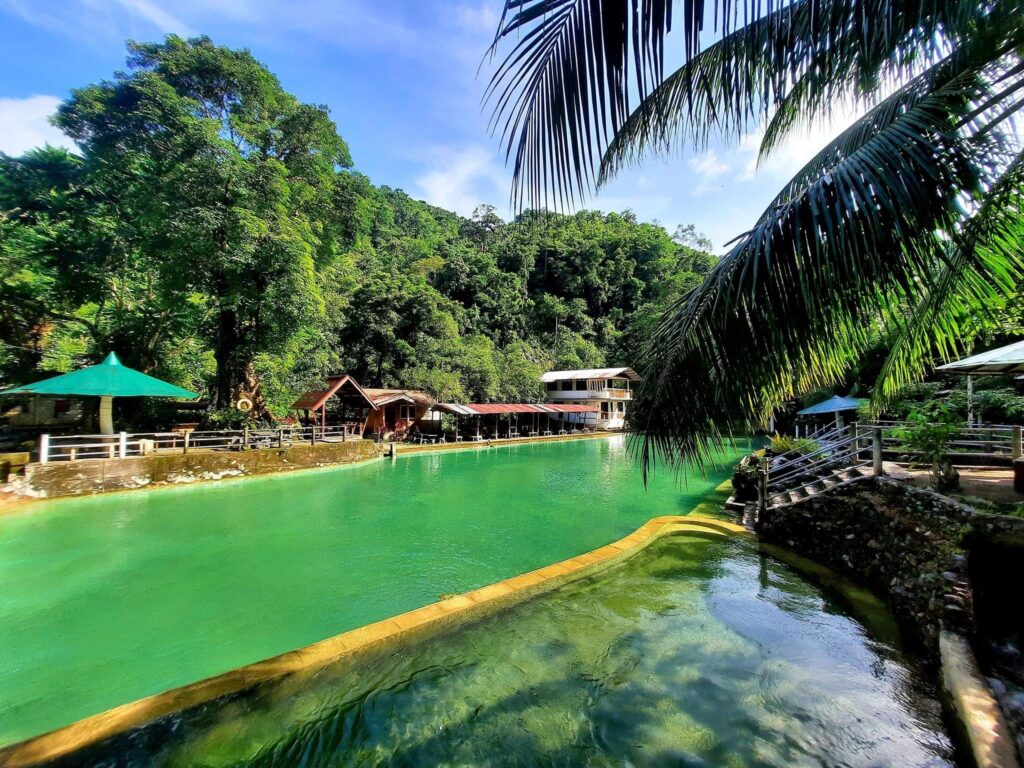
x=823, y=438
x=839, y=449
x=866, y=444
x=129, y=444
x=994, y=440
x=845, y=452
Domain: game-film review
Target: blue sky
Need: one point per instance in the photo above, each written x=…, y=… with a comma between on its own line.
x=400, y=78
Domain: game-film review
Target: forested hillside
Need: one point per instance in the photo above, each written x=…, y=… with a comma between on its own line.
x=213, y=231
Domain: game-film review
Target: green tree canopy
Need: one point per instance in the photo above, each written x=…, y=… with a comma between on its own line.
x=211, y=233
x=230, y=181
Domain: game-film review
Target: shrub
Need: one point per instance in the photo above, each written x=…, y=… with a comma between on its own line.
x=786, y=444
x=926, y=441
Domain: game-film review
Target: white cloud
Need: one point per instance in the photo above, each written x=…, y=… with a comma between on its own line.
x=459, y=180
x=480, y=18
x=708, y=167
x=796, y=150
x=162, y=19
x=100, y=20
x=23, y=124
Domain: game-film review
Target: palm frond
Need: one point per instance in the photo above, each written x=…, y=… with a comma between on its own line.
x=984, y=269
x=800, y=295
x=828, y=47
x=813, y=97
x=564, y=88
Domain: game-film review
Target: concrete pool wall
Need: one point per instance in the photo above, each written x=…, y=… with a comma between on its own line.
x=81, y=478
x=87, y=477
x=368, y=640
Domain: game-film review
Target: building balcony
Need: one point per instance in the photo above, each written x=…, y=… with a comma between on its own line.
x=590, y=394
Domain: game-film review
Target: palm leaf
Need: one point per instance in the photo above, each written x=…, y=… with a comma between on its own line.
x=802, y=293
x=984, y=269
x=564, y=88
x=562, y=92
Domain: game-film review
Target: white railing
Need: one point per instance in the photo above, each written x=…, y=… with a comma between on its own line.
x=865, y=445
x=128, y=444
x=998, y=440
x=591, y=394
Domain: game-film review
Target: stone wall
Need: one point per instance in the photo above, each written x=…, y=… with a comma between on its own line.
x=903, y=542
x=77, y=478
x=950, y=575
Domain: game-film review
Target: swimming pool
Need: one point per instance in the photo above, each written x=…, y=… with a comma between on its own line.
x=111, y=598
x=695, y=651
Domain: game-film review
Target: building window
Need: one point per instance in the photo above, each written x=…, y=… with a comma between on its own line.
x=604, y=408
x=621, y=407
x=407, y=412
x=552, y=386
x=581, y=385
x=566, y=386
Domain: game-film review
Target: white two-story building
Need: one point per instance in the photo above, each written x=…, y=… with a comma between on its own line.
x=607, y=389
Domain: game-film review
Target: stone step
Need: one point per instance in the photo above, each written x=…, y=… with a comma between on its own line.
x=834, y=479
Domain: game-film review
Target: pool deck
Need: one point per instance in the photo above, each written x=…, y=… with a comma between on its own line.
x=372, y=638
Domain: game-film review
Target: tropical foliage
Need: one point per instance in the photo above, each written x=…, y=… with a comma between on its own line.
x=907, y=227
x=927, y=439
x=212, y=232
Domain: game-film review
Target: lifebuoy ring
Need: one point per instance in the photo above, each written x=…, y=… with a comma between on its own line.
x=244, y=404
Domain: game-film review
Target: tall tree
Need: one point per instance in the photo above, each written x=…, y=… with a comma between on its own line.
x=904, y=224
x=230, y=180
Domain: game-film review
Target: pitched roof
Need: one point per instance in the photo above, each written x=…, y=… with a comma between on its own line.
x=385, y=396
x=315, y=398
x=108, y=379
x=1008, y=359
x=591, y=373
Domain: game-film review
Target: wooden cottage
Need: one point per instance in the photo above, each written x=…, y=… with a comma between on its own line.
x=341, y=401
x=398, y=410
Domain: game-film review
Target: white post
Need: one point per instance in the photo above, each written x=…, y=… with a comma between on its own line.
x=1016, y=449
x=44, y=448
x=876, y=452
x=122, y=445
x=106, y=415
x=970, y=401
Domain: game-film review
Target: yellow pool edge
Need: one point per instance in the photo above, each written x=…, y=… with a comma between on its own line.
x=426, y=620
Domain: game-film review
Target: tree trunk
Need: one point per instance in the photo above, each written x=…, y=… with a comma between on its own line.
x=226, y=355
x=249, y=386
x=236, y=377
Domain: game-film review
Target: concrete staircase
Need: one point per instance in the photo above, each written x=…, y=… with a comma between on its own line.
x=818, y=485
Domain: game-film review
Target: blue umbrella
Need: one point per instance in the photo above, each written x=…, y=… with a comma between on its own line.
x=834, y=404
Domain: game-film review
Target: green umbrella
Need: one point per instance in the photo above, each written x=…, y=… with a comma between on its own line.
x=106, y=381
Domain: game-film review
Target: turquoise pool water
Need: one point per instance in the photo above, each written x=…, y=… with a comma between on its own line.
x=108, y=599
x=695, y=652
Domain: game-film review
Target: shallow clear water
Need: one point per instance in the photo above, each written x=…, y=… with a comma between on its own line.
x=696, y=652
x=108, y=599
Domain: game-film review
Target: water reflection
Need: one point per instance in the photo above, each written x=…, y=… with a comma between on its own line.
x=697, y=652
